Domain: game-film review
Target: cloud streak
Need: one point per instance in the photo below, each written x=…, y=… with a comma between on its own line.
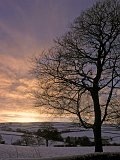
x=26, y=28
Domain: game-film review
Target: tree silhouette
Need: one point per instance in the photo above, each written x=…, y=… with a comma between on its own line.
x=49, y=133
x=81, y=73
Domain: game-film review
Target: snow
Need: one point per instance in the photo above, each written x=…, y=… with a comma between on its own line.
x=10, y=151
x=9, y=139
x=9, y=135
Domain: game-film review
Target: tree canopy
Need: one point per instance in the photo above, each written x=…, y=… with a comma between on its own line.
x=80, y=75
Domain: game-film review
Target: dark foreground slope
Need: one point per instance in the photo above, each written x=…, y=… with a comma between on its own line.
x=93, y=156
x=103, y=156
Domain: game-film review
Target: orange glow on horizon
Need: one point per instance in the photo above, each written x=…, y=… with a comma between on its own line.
x=26, y=117
x=22, y=117
x=30, y=116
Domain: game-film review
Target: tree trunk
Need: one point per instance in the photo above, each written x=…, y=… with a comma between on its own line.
x=46, y=142
x=97, y=122
x=97, y=138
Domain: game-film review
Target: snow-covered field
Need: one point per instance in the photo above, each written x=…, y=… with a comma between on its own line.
x=10, y=151
x=11, y=132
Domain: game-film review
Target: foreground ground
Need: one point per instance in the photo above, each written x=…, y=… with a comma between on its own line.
x=11, y=132
x=10, y=151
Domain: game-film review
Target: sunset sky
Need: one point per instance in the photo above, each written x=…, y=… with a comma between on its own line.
x=27, y=27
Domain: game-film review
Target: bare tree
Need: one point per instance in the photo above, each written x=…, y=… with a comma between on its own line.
x=49, y=133
x=82, y=71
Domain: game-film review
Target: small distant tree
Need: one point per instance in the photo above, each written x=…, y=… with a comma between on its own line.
x=28, y=139
x=67, y=140
x=70, y=141
x=1, y=140
x=49, y=133
x=17, y=142
x=105, y=142
x=84, y=141
x=39, y=139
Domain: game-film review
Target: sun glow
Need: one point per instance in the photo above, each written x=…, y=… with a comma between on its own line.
x=27, y=117
x=22, y=117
